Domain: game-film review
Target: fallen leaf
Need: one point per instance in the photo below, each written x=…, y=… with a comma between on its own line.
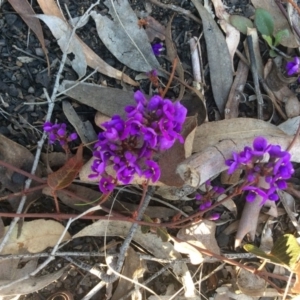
x=24, y=9
x=108, y=101
x=232, y=34
x=133, y=269
x=84, y=129
x=50, y=8
x=293, y=17
x=251, y=284
x=290, y=126
x=200, y=235
x=20, y=157
x=123, y=37
x=62, y=32
x=280, y=22
x=236, y=91
x=64, y=176
x=285, y=251
x=211, y=133
x=172, y=55
x=30, y=285
x=218, y=58
x=33, y=240
x=154, y=29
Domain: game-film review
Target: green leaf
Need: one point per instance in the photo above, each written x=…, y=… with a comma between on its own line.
x=280, y=35
x=268, y=39
x=285, y=251
x=163, y=234
x=264, y=22
x=240, y=23
x=273, y=53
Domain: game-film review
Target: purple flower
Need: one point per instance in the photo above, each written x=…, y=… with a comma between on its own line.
x=214, y=216
x=198, y=197
x=233, y=163
x=292, y=67
x=57, y=132
x=246, y=156
x=106, y=185
x=260, y=146
x=157, y=48
x=153, y=171
x=275, y=171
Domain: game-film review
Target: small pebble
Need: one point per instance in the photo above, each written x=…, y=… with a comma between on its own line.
x=31, y=90
x=39, y=52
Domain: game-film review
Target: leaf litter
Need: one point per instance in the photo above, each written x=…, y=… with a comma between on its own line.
x=185, y=167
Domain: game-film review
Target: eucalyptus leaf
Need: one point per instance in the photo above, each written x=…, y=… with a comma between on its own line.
x=264, y=22
x=120, y=33
x=280, y=35
x=240, y=23
x=285, y=251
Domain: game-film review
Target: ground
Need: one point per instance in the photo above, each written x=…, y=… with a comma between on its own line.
x=24, y=78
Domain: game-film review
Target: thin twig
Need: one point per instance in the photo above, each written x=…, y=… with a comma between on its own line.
x=118, y=266
x=253, y=67
x=171, y=77
x=294, y=5
x=177, y=9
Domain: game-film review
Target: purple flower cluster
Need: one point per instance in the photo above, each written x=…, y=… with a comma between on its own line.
x=128, y=145
x=212, y=192
x=57, y=132
x=275, y=171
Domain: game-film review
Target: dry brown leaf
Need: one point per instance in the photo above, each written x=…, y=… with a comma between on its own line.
x=84, y=129
x=50, y=8
x=33, y=240
x=172, y=55
x=200, y=235
x=30, y=285
x=108, y=101
x=62, y=32
x=290, y=126
x=133, y=269
x=218, y=57
x=280, y=22
x=154, y=29
x=232, y=34
x=251, y=284
x=19, y=157
x=124, y=38
x=210, y=134
x=237, y=88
